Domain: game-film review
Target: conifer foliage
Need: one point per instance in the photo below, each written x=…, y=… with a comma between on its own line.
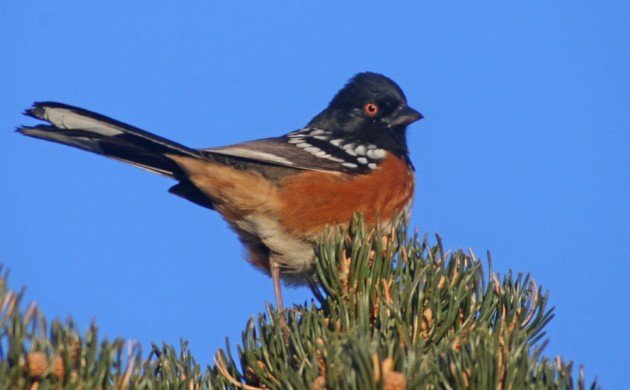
x=390, y=312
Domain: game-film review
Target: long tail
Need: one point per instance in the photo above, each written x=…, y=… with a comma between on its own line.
x=99, y=134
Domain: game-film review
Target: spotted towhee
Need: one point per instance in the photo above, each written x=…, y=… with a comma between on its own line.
x=278, y=194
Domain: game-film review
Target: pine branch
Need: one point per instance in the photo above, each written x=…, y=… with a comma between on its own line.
x=390, y=311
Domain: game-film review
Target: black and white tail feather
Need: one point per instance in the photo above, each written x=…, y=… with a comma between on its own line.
x=99, y=134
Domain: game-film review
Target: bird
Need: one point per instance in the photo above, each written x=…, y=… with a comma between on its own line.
x=279, y=193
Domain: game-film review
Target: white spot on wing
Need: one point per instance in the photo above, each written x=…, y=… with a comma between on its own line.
x=350, y=149
x=337, y=142
x=376, y=153
x=299, y=133
x=253, y=154
x=334, y=158
x=372, y=166
x=360, y=150
x=312, y=149
x=349, y=165
x=362, y=160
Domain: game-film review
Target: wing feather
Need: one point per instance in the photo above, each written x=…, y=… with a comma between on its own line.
x=315, y=155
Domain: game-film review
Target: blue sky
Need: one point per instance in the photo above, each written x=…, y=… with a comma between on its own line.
x=523, y=150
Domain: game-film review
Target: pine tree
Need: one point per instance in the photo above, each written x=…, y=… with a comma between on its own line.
x=390, y=312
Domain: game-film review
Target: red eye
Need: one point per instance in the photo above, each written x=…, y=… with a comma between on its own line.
x=371, y=109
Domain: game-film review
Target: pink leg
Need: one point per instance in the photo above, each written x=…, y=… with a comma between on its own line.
x=275, y=275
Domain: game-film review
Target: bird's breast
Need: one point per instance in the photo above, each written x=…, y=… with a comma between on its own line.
x=312, y=200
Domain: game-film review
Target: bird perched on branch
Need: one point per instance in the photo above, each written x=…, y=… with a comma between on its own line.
x=278, y=194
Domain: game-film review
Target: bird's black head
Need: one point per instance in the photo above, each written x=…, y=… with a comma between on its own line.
x=370, y=108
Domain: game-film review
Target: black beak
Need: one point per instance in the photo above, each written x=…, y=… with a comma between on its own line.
x=403, y=116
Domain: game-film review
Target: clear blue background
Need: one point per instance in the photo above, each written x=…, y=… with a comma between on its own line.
x=524, y=150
